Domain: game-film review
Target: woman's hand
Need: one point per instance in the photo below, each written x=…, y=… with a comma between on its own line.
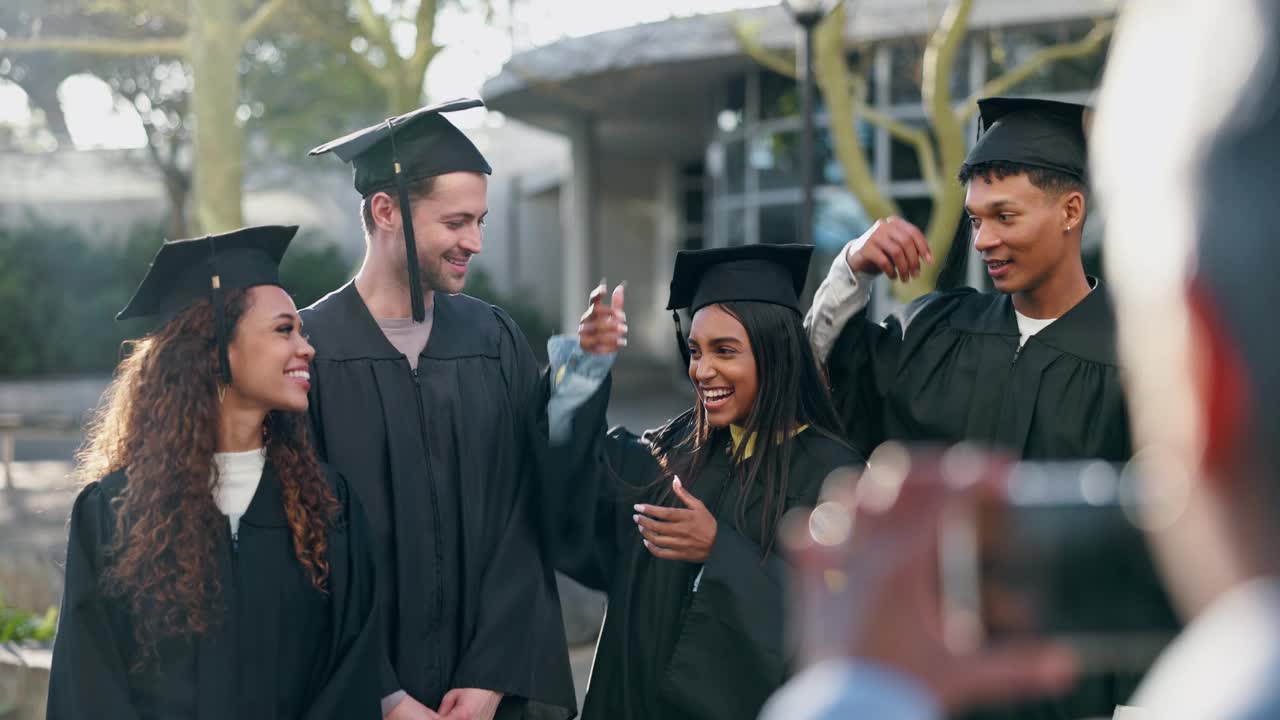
x=603, y=329
x=677, y=533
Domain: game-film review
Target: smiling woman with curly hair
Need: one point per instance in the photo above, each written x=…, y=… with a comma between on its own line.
x=215, y=569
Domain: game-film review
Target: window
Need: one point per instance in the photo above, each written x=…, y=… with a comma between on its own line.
x=780, y=223
x=904, y=162
x=906, y=71
x=1010, y=47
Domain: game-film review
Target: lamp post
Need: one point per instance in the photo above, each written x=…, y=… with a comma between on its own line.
x=807, y=14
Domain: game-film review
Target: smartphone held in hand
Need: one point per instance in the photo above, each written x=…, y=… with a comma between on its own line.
x=1062, y=556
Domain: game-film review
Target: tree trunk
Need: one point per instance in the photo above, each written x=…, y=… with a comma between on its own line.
x=214, y=54
x=948, y=200
x=832, y=75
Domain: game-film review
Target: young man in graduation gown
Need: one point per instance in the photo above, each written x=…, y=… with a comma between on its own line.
x=423, y=394
x=1030, y=368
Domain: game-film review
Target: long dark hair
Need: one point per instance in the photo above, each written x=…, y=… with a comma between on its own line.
x=158, y=422
x=792, y=391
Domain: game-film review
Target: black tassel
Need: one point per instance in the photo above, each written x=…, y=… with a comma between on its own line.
x=680, y=341
x=410, y=244
x=219, y=315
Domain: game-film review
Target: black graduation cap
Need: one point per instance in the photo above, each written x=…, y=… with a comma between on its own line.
x=1040, y=133
x=402, y=150
x=187, y=271
x=758, y=273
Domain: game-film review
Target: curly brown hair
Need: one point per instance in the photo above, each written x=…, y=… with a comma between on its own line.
x=158, y=423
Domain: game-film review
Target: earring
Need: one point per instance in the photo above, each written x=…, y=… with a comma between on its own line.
x=1068, y=228
x=222, y=393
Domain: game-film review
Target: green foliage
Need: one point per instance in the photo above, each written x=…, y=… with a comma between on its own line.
x=534, y=326
x=61, y=292
x=19, y=626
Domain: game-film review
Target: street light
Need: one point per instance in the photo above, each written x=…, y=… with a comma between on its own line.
x=807, y=14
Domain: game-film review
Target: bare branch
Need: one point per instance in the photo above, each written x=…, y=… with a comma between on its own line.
x=378, y=30
x=831, y=71
x=112, y=47
x=748, y=35
x=424, y=47
x=265, y=13
x=1083, y=47
x=317, y=29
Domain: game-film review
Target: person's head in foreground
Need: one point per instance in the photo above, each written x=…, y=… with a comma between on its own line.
x=1185, y=148
x=226, y=370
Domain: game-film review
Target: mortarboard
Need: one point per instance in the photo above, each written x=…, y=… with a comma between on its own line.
x=184, y=272
x=1041, y=133
x=402, y=150
x=756, y=273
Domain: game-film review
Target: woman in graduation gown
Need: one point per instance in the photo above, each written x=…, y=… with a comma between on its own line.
x=214, y=569
x=679, y=525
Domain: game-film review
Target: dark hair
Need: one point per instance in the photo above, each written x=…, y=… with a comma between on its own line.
x=418, y=189
x=1051, y=182
x=792, y=391
x=158, y=422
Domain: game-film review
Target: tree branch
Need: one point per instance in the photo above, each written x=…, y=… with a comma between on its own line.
x=318, y=29
x=259, y=19
x=424, y=46
x=748, y=35
x=112, y=47
x=831, y=71
x=916, y=137
x=378, y=30
x=1083, y=47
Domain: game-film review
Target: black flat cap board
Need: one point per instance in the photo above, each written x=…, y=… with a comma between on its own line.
x=1040, y=133
x=759, y=273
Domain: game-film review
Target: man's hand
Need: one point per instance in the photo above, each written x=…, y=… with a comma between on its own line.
x=410, y=709
x=603, y=329
x=892, y=246
x=470, y=704
x=868, y=581
x=675, y=533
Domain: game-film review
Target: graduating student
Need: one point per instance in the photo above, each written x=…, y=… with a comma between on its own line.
x=1030, y=368
x=215, y=569
x=427, y=394
x=678, y=525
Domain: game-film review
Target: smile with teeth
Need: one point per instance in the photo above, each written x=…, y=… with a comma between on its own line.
x=458, y=262
x=299, y=374
x=716, y=396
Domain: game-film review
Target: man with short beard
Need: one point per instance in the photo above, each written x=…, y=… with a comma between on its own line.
x=422, y=396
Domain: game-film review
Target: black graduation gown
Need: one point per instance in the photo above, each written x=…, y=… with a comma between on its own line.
x=667, y=652
x=439, y=460
x=948, y=369
x=282, y=650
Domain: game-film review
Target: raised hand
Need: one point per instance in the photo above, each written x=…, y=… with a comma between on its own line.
x=892, y=246
x=677, y=533
x=603, y=328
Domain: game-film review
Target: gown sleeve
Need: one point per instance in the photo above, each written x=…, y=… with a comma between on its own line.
x=586, y=468
x=731, y=639
x=354, y=684
x=89, y=675
x=518, y=647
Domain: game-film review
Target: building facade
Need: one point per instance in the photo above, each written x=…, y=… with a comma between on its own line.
x=676, y=140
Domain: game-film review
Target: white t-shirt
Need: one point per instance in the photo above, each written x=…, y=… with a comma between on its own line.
x=238, y=475
x=1028, y=326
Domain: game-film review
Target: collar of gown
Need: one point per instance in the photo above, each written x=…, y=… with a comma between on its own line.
x=739, y=435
